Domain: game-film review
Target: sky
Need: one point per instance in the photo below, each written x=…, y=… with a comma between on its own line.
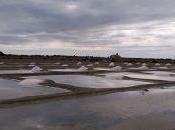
x=134, y=28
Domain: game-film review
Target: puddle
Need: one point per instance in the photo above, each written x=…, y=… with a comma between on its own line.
x=139, y=76
x=108, y=69
x=89, y=81
x=10, y=89
x=141, y=68
x=63, y=70
x=123, y=111
x=66, y=70
x=160, y=73
x=14, y=71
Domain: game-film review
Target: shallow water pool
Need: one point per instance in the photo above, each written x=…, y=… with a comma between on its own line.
x=14, y=71
x=10, y=89
x=117, y=111
x=90, y=81
x=139, y=76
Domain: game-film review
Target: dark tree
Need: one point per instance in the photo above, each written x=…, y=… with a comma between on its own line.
x=1, y=53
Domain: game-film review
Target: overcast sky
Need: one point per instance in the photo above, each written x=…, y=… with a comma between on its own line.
x=134, y=28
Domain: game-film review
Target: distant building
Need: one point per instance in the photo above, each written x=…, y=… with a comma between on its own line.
x=115, y=57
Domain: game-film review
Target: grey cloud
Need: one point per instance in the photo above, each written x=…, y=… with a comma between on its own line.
x=87, y=22
x=50, y=16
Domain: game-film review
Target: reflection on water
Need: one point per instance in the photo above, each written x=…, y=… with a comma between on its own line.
x=90, y=81
x=14, y=71
x=64, y=70
x=102, y=69
x=157, y=76
x=117, y=111
x=160, y=73
x=12, y=89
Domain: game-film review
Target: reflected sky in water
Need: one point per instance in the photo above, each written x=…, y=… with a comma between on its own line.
x=10, y=89
x=129, y=110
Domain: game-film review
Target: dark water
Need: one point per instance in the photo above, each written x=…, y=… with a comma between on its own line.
x=153, y=110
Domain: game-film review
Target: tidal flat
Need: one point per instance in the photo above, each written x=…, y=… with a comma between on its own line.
x=52, y=97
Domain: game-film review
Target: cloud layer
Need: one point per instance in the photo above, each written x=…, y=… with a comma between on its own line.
x=141, y=28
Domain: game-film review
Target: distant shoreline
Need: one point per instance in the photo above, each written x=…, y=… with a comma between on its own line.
x=81, y=58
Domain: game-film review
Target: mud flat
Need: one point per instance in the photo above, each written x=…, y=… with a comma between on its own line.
x=86, y=84
x=90, y=100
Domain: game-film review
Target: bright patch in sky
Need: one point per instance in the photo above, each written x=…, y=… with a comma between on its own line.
x=71, y=7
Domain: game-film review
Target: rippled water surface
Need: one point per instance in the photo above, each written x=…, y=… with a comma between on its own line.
x=155, y=110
